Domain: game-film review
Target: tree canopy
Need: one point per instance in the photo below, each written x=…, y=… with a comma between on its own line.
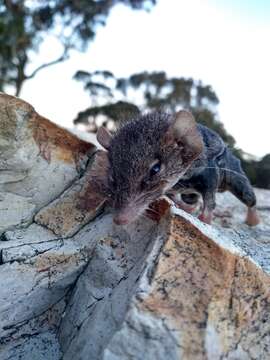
x=24, y=24
x=150, y=91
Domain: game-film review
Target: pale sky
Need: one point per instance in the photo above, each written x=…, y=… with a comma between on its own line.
x=225, y=43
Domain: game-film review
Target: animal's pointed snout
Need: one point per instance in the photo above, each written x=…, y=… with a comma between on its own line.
x=126, y=215
x=121, y=219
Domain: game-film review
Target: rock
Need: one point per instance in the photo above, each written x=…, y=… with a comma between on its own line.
x=200, y=296
x=38, y=162
x=231, y=212
x=34, y=279
x=33, y=150
x=66, y=215
x=15, y=210
x=100, y=301
x=206, y=300
x=76, y=286
x=43, y=346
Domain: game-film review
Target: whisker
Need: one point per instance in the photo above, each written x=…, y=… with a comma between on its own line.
x=144, y=215
x=152, y=211
x=225, y=169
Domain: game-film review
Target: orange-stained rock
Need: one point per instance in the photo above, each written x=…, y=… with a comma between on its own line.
x=201, y=297
x=209, y=295
x=53, y=140
x=158, y=209
x=94, y=189
x=79, y=204
x=38, y=161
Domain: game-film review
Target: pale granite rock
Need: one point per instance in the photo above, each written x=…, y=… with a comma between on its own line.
x=38, y=161
x=69, y=213
x=201, y=292
x=76, y=286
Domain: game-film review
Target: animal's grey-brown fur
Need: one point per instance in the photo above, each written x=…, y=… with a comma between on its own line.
x=150, y=139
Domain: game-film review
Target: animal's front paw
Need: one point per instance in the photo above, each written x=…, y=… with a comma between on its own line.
x=206, y=217
x=186, y=207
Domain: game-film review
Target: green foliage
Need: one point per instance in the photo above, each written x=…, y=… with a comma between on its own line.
x=15, y=38
x=263, y=172
x=160, y=91
x=25, y=23
x=258, y=171
x=119, y=111
x=250, y=168
x=96, y=84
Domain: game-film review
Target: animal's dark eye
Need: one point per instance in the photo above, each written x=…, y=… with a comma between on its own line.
x=155, y=169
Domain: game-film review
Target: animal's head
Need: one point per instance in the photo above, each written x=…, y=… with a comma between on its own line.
x=147, y=157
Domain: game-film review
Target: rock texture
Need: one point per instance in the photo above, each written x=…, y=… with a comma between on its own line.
x=76, y=286
x=38, y=161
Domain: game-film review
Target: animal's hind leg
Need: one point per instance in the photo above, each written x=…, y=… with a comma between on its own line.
x=240, y=186
x=208, y=188
x=209, y=205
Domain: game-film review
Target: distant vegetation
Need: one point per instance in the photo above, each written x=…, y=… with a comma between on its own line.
x=25, y=24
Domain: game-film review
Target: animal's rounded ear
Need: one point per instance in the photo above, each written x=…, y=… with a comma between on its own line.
x=186, y=133
x=104, y=137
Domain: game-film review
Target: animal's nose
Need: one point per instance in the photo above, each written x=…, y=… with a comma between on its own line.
x=121, y=219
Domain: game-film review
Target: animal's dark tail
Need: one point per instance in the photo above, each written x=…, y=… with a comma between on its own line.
x=238, y=183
